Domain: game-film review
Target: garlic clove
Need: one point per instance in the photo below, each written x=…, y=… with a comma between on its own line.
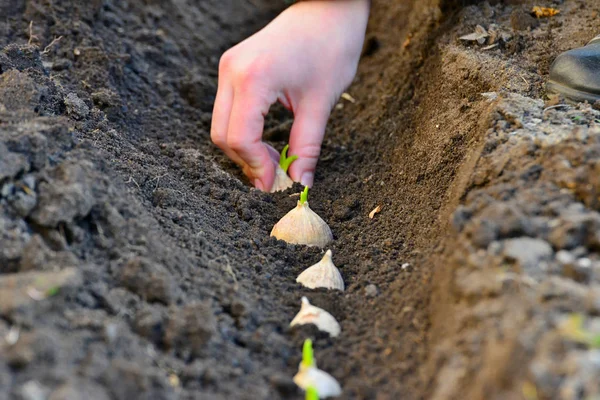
x=303, y=226
x=323, y=320
x=323, y=274
x=282, y=180
x=325, y=384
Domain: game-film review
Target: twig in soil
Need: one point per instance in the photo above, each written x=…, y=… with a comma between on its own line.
x=525, y=80
x=158, y=180
x=52, y=43
x=556, y=106
x=490, y=47
x=346, y=96
x=407, y=41
x=31, y=35
x=133, y=180
x=375, y=211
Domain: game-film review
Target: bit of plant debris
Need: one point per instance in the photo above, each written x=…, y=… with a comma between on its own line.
x=544, y=12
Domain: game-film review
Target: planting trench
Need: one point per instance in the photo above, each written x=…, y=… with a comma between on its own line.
x=136, y=261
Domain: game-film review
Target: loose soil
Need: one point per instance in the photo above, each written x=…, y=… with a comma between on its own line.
x=136, y=262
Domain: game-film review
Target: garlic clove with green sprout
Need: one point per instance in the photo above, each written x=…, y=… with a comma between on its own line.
x=303, y=226
x=309, y=376
x=310, y=314
x=325, y=384
x=323, y=274
x=282, y=180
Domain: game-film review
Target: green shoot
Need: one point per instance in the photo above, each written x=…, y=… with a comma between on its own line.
x=53, y=291
x=595, y=342
x=304, y=195
x=308, y=359
x=573, y=329
x=284, y=160
x=311, y=393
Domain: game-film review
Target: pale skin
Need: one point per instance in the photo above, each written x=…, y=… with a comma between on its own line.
x=305, y=58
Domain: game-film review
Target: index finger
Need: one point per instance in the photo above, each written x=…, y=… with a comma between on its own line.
x=244, y=137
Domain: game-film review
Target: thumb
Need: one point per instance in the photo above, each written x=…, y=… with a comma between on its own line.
x=306, y=137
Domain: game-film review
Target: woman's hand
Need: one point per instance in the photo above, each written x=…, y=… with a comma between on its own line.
x=305, y=58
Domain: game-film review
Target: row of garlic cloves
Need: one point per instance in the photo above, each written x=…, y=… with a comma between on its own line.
x=323, y=274
x=302, y=225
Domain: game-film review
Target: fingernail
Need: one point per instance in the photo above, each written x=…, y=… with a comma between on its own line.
x=307, y=179
x=259, y=185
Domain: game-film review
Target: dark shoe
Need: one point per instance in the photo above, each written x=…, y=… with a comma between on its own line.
x=575, y=74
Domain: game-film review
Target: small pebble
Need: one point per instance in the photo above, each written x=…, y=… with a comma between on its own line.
x=76, y=107
x=33, y=390
x=111, y=331
x=564, y=257
x=371, y=290
x=584, y=263
x=29, y=181
x=7, y=189
x=495, y=248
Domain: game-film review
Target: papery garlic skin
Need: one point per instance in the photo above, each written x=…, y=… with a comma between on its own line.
x=325, y=384
x=323, y=274
x=303, y=226
x=323, y=320
x=282, y=180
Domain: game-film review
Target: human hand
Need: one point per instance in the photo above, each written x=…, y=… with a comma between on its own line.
x=304, y=59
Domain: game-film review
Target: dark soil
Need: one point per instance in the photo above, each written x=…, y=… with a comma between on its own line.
x=136, y=262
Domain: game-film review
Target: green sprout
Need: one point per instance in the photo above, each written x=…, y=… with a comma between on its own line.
x=53, y=291
x=573, y=329
x=308, y=359
x=311, y=393
x=304, y=195
x=284, y=160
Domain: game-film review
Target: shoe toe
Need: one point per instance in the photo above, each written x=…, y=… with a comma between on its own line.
x=578, y=69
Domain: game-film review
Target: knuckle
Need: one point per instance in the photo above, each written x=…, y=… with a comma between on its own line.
x=251, y=73
x=309, y=151
x=226, y=62
x=218, y=138
x=218, y=141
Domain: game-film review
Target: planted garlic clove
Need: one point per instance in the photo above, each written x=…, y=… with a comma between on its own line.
x=303, y=226
x=311, y=377
x=310, y=314
x=282, y=180
x=325, y=384
x=323, y=274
